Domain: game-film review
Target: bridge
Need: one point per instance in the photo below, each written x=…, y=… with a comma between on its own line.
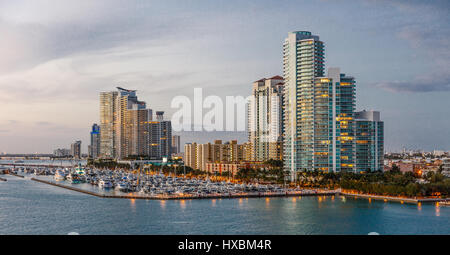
x=26, y=156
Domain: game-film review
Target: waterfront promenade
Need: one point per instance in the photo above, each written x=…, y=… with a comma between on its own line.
x=395, y=199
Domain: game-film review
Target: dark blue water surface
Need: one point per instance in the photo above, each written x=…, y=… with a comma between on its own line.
x=28, y=207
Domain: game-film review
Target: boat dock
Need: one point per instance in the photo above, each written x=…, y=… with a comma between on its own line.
x=178, y=197
x=17, y=175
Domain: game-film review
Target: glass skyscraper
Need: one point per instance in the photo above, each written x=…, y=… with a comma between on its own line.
x=94, y=148
x=319, y=112
x=108, y=108
x=369, y=141
x=303, y=61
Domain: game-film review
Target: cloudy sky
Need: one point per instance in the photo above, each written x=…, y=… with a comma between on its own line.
x=56, y=56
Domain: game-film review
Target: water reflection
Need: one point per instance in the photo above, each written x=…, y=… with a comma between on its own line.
x=162, y=204
x=319, y=200
x=213, y=202
x=133, y=205
x=182, y=204
x=267, y=203
x=438, y=210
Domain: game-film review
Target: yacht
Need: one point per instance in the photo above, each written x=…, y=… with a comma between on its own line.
x=73, y=178
x=123, y=186
x=105, y=184
x=80, y=170
x=59, y=175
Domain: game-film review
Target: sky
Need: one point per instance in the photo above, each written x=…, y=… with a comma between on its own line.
x=56, y=56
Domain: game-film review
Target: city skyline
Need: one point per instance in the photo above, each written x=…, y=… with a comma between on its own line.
x=51, y=86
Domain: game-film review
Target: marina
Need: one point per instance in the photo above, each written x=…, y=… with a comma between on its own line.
x=108, y=183
x=137, y=184
x=171, y=197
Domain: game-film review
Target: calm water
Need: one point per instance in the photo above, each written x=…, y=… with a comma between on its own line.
x=28, y=207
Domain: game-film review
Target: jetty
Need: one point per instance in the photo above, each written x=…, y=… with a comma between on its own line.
x=178, y=197
x=17, y=175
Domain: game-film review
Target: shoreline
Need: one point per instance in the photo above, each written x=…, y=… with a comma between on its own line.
x=249, y=195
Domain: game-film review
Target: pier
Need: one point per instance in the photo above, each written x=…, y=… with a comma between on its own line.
x=178, y=197
x=17, y=175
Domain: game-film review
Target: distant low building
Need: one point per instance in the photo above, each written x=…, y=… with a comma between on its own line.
x=446, y=167
x=178, y=156
x=61, y=153
x=219, y=168
x=438, y=153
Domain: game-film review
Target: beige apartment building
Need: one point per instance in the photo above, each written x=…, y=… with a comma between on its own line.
x=198, y=156
x=265, y=119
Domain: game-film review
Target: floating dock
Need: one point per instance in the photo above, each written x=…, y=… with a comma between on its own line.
x=17, y=175
x=249, y=195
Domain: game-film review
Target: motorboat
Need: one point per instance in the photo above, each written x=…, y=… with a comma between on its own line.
x=105, y=184
x=59, y=176
x=123, y=186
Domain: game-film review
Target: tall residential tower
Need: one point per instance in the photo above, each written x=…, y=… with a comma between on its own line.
x=303, y=61
x=265, y=119
x=108, y=108
x=127, y=127
x=94, y=147
x=321, y=130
